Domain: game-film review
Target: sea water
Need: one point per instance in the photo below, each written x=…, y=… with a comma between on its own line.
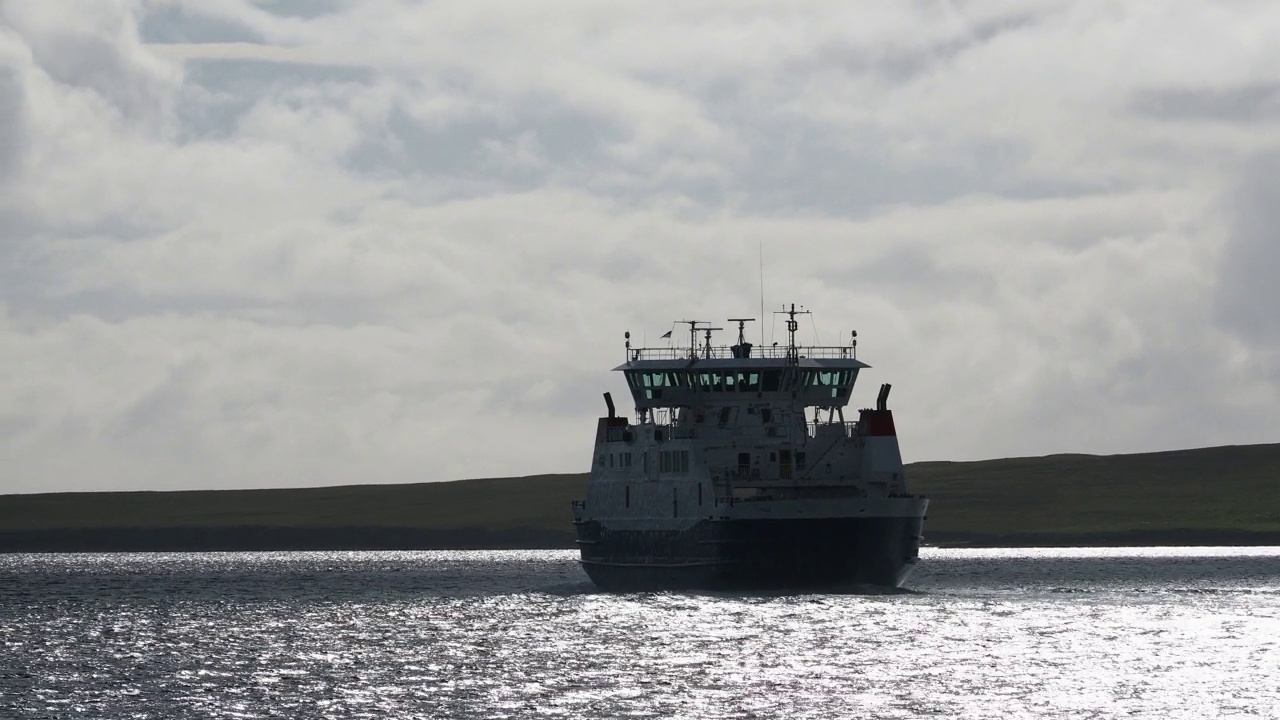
x=1049, y=633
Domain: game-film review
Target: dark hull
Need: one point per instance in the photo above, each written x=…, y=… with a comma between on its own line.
x=790, y=554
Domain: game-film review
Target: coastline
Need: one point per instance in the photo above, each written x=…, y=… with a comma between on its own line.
x=1173, y=537
x=265, y=539
x=1206, y=496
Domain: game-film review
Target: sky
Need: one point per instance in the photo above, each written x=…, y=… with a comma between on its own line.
x=285, y=243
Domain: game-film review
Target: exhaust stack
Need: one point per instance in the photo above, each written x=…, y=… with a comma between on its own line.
x=878, y=422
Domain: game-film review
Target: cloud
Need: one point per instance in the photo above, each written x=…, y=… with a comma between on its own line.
x=261, y=244
x=98, y=49
x=1248, y=293
x=1245, y=104
x=12, y=122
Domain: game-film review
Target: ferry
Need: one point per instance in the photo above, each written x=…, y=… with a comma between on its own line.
x=740, y=472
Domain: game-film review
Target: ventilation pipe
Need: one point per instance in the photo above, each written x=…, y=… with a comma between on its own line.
x=882, y=400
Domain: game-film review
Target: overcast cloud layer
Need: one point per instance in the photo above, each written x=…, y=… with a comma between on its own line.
x=261, y=244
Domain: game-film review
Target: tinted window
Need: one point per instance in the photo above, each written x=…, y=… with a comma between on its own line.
x=772, y=379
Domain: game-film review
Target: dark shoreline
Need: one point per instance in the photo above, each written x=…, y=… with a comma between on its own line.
x=263, y=538
x=1199, y=497
x=1178, y=537
x=238, y=538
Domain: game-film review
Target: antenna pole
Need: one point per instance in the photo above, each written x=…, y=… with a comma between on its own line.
x=762, y=292
x=792, y=326
x=693, y=335
x=793, y=353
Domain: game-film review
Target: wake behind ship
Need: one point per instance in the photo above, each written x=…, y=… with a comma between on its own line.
x=724, y=481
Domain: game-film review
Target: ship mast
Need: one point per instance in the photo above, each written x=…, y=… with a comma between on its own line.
x=793, y=352
x=693, y=335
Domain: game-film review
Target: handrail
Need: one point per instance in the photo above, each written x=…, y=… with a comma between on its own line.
x=725, y=352
x=668, y=432
x=732, y=472
x=850, y=427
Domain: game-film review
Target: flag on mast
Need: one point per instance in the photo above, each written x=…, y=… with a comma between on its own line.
x=666, y=335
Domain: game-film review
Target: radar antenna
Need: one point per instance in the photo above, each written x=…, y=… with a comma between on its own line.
x=693, y=335
x=707, y=347
x=743, y=348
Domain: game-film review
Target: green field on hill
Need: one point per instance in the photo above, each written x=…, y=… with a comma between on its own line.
x=1223, y=488
x=1052, y=499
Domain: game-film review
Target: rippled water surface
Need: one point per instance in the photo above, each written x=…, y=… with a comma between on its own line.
x=1160, y=633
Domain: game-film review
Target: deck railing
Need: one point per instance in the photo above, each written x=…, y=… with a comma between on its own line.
x=666, y=432
x=725, y=352
x=850, y=427
x=733, y=472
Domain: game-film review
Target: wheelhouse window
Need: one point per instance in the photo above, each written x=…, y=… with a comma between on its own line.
x=837, y=381
x=728, y=381
x=826, y=378
x=673, y=461
x=776, y=380
x=651, y=384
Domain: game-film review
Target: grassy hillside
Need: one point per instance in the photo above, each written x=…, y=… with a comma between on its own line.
x=1211, y=489
x=1236, y=488
x=538, y=501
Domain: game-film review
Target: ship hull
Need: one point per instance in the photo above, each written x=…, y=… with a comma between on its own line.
x=823, y=554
